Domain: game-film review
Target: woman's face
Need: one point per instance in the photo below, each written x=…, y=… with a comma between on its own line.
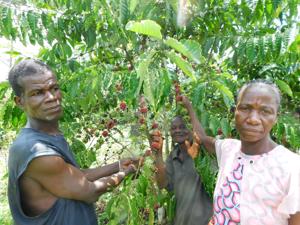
x=256, y=113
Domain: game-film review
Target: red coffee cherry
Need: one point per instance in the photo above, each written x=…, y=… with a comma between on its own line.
x=123, y=106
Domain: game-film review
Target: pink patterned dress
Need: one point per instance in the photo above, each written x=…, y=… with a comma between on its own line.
x=255, y=189
x=227, y=199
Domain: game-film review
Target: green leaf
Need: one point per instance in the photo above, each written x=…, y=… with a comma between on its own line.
x=179, y=47
x=3, y=89
x=7, y=22
x=250, y=50
x=174, y=4
x=67, y=50
x=132, y=6
x=204, y=118
x=214, y=124
x=32, y=21
x=124, y=11
x=145, y=78
x=182, y=64
x=268, y=68
x=284, y=87
x=198, y=95
x=227, y=100
x=90, y=37
x=151, y=217
x=164, y=87
x=46, y=19
x=89, y=22
x=194, y=49
x=295, y=45
x=146, y=27
x=278, y=45
x=224, y=89
x=225, y=126
x=13, y=53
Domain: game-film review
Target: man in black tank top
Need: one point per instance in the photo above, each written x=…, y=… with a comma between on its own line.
x=46, y=185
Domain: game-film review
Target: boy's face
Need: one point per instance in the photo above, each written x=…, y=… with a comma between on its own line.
x=179, y=131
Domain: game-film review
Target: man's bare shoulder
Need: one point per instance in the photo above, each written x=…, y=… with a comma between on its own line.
x=47, y=165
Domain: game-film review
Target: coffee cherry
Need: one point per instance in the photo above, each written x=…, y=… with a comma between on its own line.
x=154, y=125
x=143, y=110
x=142, y=120
x=105, y=133
x=123, y=106
x=155, y=145
x=110, y=124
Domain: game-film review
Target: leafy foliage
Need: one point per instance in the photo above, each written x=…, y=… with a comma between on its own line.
x=111, y=52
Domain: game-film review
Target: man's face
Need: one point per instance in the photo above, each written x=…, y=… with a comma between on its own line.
x=41, y=97
x=179, y=131
x=256, y=113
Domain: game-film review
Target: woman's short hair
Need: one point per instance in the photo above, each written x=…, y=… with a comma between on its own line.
x=260, y=82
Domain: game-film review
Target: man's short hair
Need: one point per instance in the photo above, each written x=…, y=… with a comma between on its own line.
x=181, y=118
x=260, y=82
x=27, y=67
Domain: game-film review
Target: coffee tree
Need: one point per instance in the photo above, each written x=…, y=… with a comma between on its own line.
x=123, y=65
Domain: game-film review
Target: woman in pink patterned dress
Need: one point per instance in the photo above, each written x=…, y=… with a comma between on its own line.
x=259, y=180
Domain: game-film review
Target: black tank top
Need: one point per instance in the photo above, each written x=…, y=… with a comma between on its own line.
x=28, y=145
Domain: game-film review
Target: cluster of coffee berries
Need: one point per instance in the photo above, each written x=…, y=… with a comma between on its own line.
x=143, y=109
x=177, y=91
x=109, y=124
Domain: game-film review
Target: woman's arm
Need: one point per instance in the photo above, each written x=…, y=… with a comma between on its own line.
x=295, y=219
x=207, y=141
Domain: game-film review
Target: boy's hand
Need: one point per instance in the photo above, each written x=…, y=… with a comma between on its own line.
x=156, y=141
x=193, y=149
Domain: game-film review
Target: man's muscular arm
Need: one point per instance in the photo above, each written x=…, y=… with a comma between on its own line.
x=93, y=174
x=66, y=181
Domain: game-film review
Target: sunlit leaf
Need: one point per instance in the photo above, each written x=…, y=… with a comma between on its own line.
x=145, y=78
x=13, y=53
x=179, y=47
x=182, y=64
x=284, y=87
x=224, y=89
x=146, y=27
